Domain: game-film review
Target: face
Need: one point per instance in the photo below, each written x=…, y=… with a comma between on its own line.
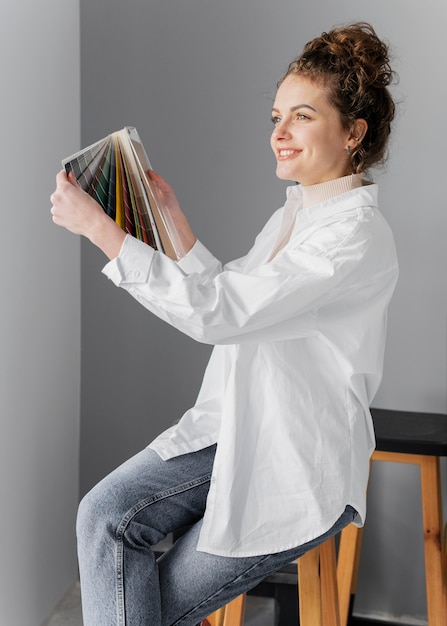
x=308, y=139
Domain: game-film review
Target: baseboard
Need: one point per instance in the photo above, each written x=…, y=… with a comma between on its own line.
x=382, y=619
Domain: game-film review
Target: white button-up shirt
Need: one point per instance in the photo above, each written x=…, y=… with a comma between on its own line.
x=299, y=341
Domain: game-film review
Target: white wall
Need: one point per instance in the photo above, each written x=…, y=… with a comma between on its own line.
x=197, y=78
x=40, y=310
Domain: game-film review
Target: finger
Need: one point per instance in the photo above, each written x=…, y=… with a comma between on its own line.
x=72, y=178
x=153, y=176
x=61, y=176
x=157, y=178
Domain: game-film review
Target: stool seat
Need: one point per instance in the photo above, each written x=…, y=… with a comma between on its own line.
x=410, y=432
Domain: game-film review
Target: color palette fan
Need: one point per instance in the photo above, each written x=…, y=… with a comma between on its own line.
x=113, y=171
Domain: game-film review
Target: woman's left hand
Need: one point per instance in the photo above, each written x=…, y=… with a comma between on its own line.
x=167, y=198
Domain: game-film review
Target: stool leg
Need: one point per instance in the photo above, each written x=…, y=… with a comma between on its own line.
x=317, y=586
x=215, y=619
x=232, y=614
x=347, y=568
x=329, y=588
x=444, y=572
x=433, y=539
x=309, y=588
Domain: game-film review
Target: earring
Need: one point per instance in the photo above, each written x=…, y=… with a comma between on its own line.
x=348, y=150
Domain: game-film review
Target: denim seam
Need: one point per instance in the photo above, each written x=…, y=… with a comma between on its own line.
x=119, y=554
x=226, y=586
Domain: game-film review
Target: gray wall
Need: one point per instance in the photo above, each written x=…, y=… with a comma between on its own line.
x=197, y=78
x=40, y=311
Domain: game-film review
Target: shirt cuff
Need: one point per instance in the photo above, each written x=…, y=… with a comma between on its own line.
x=197, y=259
x=133, y=263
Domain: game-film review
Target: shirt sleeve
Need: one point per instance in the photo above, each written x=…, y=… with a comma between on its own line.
x=273, y=301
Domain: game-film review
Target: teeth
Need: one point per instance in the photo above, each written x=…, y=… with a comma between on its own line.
x=286, y=152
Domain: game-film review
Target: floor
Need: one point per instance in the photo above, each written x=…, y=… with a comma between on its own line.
x=258, y=612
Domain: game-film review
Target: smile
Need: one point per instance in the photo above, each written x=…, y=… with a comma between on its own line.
x=285, y=154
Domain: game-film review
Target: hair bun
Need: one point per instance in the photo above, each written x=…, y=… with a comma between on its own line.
x=358, y=48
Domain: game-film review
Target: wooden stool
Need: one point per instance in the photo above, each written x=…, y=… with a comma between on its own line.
x=420, y=439
x=326, y=586
x=317, y=590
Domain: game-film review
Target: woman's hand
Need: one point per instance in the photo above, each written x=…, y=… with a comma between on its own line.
x=73, y=209
x=168, y=201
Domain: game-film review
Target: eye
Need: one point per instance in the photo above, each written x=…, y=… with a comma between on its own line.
x=302, y=116
x=275, y=119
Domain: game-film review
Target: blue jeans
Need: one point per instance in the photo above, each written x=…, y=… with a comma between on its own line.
x=134, y=508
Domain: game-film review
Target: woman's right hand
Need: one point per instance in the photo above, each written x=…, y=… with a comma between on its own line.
x=73, y=209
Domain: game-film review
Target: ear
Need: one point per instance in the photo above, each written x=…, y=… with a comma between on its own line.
x=359, y=129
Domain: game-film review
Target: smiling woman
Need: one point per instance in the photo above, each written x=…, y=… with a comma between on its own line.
x=352, y=66
x=274, y=455
x=334, y=98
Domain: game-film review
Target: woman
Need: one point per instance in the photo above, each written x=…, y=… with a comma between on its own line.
x=274, y=456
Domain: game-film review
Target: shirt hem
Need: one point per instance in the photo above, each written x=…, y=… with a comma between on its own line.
x=357, y=521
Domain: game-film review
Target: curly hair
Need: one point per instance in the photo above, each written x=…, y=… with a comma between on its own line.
x=353, y=64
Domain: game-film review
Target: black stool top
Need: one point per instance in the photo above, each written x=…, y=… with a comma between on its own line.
x=410, y=432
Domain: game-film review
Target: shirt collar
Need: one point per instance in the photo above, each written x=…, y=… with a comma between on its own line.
x=365, y=194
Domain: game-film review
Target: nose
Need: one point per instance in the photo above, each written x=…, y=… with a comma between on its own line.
x=282, y=130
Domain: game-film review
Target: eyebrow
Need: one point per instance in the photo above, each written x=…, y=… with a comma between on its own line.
x=298, y=106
